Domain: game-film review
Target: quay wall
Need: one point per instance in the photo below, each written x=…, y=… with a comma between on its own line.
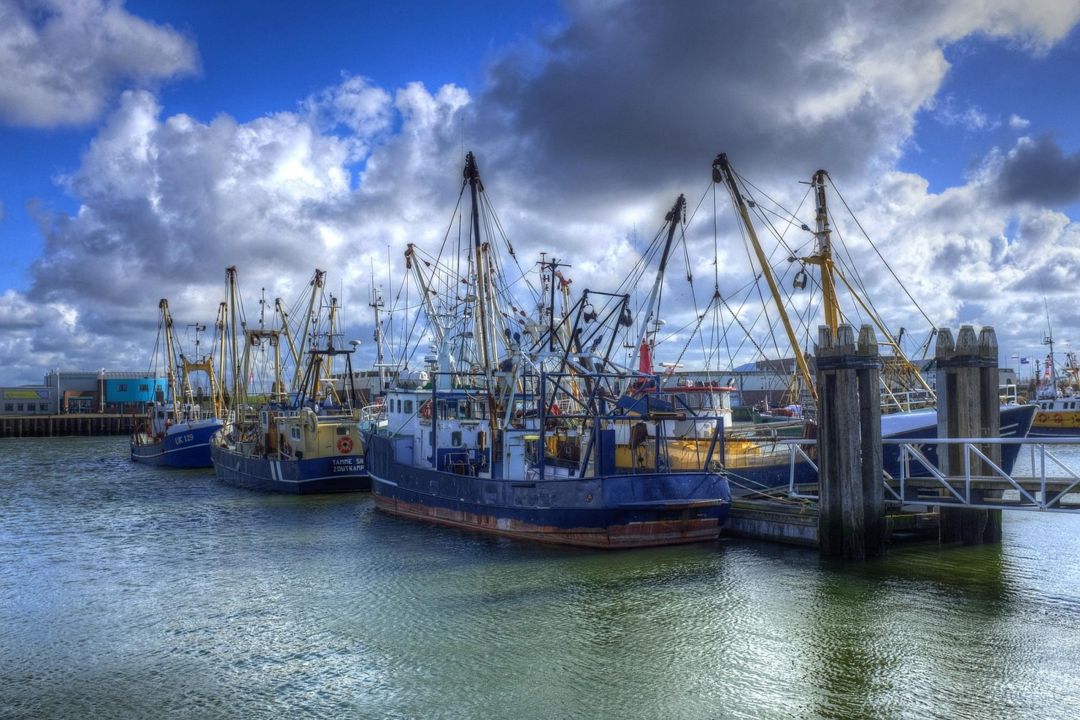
x=84, y=424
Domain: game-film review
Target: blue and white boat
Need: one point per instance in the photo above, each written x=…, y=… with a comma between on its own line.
x=519, y=426
x=177, y=433
x=172, y=439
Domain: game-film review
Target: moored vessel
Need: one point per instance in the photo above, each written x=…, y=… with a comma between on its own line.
x=177, y=432
x=300, y=442
x=521, y=426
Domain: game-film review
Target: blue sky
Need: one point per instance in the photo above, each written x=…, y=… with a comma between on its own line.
x=148, y=144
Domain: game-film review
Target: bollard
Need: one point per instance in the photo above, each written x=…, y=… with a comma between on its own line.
x=850, y=494
x=990, y=422
x=968, y=407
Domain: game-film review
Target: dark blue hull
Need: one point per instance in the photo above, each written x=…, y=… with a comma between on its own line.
x=1015, y=423
x=1055, y=432
x=342, y=473
x=186, y=445
x=614, y=511
x=757, y=478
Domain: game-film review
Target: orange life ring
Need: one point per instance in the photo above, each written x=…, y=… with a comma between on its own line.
x=425, y=410
x=344, y=444
x=1040, y=417
x=1057, y=418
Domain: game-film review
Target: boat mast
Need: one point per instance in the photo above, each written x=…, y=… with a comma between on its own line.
x=230, y=275
x=331, y=331
x=1049, y=340
x=823, y=257
x=279, y=305
x=445, y=360
x=722, y=173
x=672, y=218
x=375, y=302
x=170, y=362
x=217, y=385
x=317, y=281
x=472, y=177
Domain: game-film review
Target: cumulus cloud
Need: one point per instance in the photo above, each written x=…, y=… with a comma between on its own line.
x=584, y=139
x=64, y=59
x=167, y=203
x=629, y=96
x=1038, y=171
x=1018, y=123
x=971, y=118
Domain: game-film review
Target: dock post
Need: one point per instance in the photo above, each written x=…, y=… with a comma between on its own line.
x=990, y=422
x=850, y=496
x=968, y=407
x=869, y=377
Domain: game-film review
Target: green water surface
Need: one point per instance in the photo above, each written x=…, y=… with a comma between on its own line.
x=135, y=592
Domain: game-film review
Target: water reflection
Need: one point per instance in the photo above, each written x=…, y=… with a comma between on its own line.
x=128, y=591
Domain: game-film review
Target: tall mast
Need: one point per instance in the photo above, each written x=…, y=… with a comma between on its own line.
x=331, y=326
x=283, y=314
x=472, y=177
x=672, y=218
x=230, y=274
x=375, y=302
x=722, y=173
x=316, y=284
x=170, y=361
x=1049, y=340
x=217, y=386
x=822, y=256
x=442, y=349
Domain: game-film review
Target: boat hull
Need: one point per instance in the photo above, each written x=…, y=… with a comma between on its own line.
x=610, y=512
x=1015, y=423
x=185, y=445
x=1056, y=423
x=342, y=473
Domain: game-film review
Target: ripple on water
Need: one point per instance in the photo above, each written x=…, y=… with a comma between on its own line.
x=129, y=591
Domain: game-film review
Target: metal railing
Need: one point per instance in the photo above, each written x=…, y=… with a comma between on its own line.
x=980, y=483
x=982, y=479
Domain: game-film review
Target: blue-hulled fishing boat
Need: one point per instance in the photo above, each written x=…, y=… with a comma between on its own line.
x=306, y=441
x=522, y=425
x=177, y=433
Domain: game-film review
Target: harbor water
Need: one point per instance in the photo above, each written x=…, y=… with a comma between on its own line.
x=129, y=591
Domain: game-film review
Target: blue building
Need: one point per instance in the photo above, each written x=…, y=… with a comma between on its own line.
x=130, y=392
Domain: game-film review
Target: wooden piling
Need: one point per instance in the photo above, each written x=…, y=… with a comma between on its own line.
x=990, y=422
x=850, y=496
x=968, y=407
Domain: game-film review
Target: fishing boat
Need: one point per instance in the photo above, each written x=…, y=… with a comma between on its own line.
x=301, y=442
x=177, y=432
x=757, y=457
x=1058, y=402
x=520, y=424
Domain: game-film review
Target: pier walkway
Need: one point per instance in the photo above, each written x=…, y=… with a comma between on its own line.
x=1041, y=480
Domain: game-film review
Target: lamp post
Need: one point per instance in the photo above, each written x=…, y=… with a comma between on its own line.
x=58, y=397
x=102, y=393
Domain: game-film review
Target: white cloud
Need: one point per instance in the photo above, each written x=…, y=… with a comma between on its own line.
x=971, y=118
x=579, y=145
x=166, y=204
x=1018, y=123
x=63, y=59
